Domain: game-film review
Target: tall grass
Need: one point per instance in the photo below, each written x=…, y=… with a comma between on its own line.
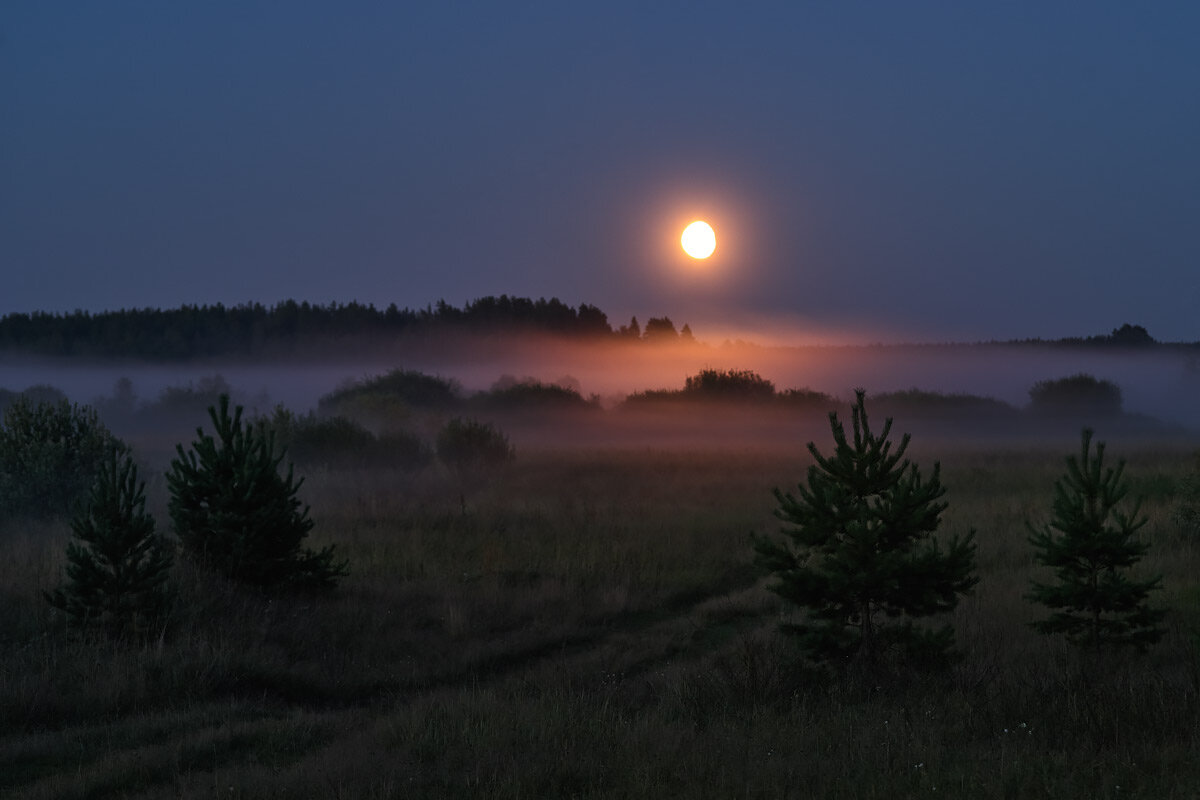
x=589, y=624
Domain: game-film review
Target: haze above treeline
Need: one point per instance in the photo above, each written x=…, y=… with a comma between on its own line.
x=300, y=329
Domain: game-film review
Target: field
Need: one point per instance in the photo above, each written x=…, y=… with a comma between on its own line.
x=589, y=623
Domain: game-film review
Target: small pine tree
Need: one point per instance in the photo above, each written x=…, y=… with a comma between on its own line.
x=860, y=551
x=117, y=567
x=235, y=513
x=1090, y=544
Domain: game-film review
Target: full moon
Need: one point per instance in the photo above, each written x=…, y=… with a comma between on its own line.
x=698, y=240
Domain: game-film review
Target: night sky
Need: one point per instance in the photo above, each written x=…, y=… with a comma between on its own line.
x=892, y=171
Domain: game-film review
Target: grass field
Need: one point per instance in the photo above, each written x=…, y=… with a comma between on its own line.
x=590, y=624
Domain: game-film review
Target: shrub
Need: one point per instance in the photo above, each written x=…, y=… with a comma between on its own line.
x=925, y=403
x=805, y=397
x=396, y=389
x=530, y=394
x=235, y=513
x=191, y=399
x=50, y=454
x=732, y=384
x=40, y=393
x=1090, y=543
x=467, y=447
x=1077, y=394
x=117, y=567
x=337, y=442
x=859, y=551
x=401, y=449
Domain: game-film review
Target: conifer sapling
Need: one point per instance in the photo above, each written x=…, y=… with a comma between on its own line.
x=1091, y=543
x=117, y=567
x=860, y=558
x=236, y=514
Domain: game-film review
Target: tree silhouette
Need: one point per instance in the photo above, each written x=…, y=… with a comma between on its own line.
x=859, y=555
x=235, y=513
x=1090, y=543
x=117, y=567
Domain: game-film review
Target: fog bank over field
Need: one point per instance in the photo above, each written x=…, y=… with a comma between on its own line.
x=1160, y=382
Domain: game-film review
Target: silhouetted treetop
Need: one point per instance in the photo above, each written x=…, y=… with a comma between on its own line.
x=660, y=329
x=729, y=384
x=1125, y=336
x=1131, y=336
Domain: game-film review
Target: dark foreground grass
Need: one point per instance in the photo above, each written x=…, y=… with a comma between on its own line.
x=591, y=626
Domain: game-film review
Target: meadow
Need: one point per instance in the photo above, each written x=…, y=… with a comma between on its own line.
x=588, y=622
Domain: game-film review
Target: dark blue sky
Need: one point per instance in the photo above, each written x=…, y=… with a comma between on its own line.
x=905, y=170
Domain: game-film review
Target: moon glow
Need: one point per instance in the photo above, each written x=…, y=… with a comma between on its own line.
x=698, y=240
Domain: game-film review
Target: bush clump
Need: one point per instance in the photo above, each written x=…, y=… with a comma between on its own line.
x=391, y=393
x=729, y=384
x=717, y=385
x=1077, y=394
x=467, y=446
x=531, y=394
x=340, y=443
x=50, y=455
x=920, y=402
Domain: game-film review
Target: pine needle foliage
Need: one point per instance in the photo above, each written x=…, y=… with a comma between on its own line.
x=117, y=566
x=1091, y=543
x=236, y=514
x=859, y=555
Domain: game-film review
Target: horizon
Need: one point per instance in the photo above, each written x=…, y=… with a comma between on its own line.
x=785, y=335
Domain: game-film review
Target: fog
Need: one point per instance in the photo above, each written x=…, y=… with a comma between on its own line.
x=1162, y=383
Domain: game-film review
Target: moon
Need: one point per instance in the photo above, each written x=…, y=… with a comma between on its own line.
x=698, y=240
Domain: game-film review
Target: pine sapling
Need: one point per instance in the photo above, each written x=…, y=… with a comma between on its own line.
x=117, y=567
x=860, y=556
x=1091, y=544
x=236, y=514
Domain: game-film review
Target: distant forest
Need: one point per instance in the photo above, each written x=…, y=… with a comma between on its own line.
x=218, y=330
x=193, y=331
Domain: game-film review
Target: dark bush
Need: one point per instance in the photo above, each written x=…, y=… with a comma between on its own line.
x=726, y=386
x=191, y=399
x=731, y=384
x=1076, y=394
x=806, y=397
x=50, y=454
x=918, y=402
x=340, y=443
x=41, y=393
x=470, y=447
x=530, y=394
x=397, y=389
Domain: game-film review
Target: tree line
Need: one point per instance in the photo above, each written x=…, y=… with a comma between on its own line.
x=192, y=331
